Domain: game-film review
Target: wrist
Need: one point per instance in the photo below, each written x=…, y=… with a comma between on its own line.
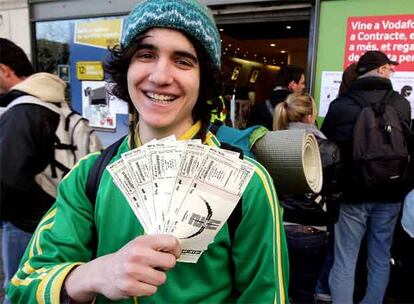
x=80, y=284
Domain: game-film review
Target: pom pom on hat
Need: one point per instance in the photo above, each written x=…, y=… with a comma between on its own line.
x=186, y=15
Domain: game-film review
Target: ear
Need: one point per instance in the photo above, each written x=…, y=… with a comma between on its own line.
x=5, y=70
x=292, y=85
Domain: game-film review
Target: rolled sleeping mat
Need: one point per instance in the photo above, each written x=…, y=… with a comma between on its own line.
x=292, y=159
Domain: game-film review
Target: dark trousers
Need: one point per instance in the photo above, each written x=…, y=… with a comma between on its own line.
x=307, y=250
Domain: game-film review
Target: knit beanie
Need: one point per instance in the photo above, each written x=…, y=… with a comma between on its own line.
x=185, y=15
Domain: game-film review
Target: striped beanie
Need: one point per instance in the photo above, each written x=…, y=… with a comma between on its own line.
x=186, y=15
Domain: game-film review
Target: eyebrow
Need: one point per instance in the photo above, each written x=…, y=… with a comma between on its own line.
x=179, y=53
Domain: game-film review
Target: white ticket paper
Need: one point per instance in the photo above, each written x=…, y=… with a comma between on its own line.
x=139, y=168
x=124, y=182
x=212, y=197
x=165, y=160
x=182, y=188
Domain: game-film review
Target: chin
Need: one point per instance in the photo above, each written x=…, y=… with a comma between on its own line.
x=158, y=123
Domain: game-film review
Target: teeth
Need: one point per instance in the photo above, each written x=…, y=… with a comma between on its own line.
x=165, y=99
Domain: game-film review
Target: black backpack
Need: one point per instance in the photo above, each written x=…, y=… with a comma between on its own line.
x=380, y=151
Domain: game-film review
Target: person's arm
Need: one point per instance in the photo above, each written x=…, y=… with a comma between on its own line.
x=61, y=246
x=259, y=249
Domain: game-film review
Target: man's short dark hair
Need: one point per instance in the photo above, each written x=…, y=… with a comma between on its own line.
x=14, y=57
x=289, y=73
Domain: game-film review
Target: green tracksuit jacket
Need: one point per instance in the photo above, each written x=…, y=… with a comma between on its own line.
x=256, y=264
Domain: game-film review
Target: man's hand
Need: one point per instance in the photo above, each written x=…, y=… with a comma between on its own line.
x=137, y=269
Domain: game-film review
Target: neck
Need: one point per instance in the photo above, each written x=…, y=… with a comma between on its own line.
x=14, y=81
x=147, y=133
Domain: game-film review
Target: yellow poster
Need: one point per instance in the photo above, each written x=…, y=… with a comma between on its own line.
x=100, y=33
x=89, y=70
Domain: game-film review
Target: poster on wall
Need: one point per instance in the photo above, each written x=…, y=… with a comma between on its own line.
x=331, y=80
x=99, y=106
x=390, y=34
x=403, y=83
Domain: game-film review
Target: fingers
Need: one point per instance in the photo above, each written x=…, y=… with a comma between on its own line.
x=166, y=243
x=156, y=251
x=138, y=289
x=162, y=260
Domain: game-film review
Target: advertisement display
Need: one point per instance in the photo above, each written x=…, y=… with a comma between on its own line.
x=392, y=35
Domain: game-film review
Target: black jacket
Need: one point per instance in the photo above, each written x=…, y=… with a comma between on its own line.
x=339, y=124
x=261, y=114
x=26, y=148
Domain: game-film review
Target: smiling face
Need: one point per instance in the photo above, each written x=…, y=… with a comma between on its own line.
x=163, y=83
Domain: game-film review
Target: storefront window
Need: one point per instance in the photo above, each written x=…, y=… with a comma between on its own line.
x=52, y=45
x=53, y=48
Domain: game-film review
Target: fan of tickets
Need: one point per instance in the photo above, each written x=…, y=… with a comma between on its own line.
x=182, y=188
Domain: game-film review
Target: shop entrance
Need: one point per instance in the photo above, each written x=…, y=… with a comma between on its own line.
x=257, y=41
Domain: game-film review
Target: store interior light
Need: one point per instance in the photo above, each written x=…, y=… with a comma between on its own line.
x=288, y=27
x=221, y=29
x=283, y=51
x=272, y=45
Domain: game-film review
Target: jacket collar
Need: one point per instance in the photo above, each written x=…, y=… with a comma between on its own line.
x=7, y=98
x=371, y=83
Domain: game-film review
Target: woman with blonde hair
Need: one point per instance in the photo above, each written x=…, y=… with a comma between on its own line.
x=307, y=216
x=296, y=108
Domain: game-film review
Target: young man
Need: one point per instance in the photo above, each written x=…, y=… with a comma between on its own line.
x=291, y=79
x=167, y=68
x=363, y=210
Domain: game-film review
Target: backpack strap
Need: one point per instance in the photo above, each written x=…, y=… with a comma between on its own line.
x=95, y=173
x=215, y=126
x=270, y=107
x=28, y=99
x=94, y=179
x=67, y=120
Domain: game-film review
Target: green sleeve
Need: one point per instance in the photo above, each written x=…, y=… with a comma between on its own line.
x=259, y=249
x=61, y=242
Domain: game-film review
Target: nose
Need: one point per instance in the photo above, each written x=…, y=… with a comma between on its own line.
x=161, y=74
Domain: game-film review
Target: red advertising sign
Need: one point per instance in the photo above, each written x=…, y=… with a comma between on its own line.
x=392, y=35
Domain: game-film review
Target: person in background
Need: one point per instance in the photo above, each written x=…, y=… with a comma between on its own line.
x=322, y=292
x=348, y=76
x=26, y=148
x=306, y=216
x=290, y=79
x=406, y=91
x=407, y=220
x=362, y=211
x=14, y=65
x=168, y=68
